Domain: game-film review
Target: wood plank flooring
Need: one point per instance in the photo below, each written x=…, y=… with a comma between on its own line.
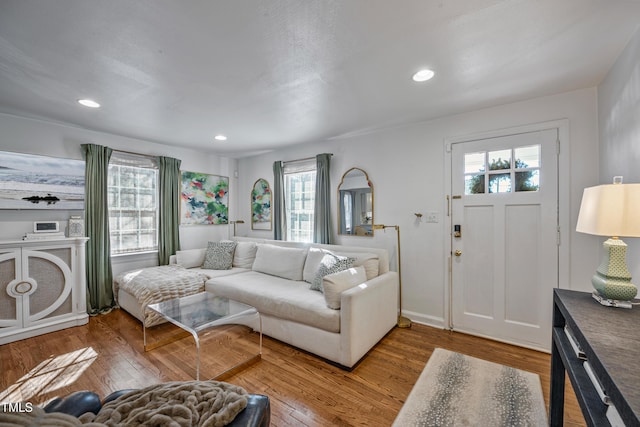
x=108, y=355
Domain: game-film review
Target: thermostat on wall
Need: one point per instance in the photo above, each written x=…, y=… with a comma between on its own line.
x=46, y=227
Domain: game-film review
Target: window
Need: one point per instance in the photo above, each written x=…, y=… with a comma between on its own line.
x=495, y=170
x=347, y=203
x=300, y=190
x=133, y=203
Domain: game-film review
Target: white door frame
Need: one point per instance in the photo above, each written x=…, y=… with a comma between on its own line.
x=564, y=213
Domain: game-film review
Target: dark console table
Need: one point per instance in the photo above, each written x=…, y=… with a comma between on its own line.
x=610, y=342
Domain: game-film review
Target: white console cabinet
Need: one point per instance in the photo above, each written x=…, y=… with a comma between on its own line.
x=42, y=287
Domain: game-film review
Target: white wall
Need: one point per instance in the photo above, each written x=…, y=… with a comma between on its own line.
x=51, y=139
x=619, y=126
x=406, y=167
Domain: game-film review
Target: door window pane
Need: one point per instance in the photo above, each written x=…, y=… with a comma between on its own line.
x=528, y=181
x=474, y=162
x=527, y=157
x=474, y=184
x=499, y=160
x=500, y=183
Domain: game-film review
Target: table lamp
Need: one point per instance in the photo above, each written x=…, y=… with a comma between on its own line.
x=403, y=322
x=612, y=210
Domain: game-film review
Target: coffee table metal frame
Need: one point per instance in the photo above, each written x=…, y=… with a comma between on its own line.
x=196, y=314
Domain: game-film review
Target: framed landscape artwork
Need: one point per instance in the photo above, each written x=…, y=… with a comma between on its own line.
x=261, y=205
x=204, y=199
x=28, y=181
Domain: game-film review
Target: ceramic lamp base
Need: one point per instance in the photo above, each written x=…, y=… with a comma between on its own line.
x=612, y=279
x=614, y=289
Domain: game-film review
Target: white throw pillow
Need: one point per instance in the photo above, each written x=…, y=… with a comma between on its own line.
x=245, y=254
x=335, y=284
x=219, y=255
x=280, y=261
x=370, y=262
x=190, y=258
x=311, y=265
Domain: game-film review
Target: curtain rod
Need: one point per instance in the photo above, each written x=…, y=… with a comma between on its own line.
x=135, y=154
x=303, y=160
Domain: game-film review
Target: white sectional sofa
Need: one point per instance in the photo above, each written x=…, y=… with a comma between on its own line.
x=357, y=308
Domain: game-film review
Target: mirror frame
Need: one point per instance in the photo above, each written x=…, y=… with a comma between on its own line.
x=266, y=225
x=370, y=184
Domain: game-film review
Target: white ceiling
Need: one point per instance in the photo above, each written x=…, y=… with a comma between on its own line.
x=270, y=73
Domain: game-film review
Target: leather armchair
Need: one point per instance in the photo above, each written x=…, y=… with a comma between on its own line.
x=256, y=414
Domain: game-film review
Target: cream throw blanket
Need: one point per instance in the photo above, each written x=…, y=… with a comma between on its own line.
x=155, y=284
x=173, y=404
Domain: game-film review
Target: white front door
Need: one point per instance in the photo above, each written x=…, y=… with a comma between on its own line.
x=504, y=219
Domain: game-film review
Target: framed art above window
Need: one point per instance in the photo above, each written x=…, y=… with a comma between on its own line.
x=261, y=205
x=204, y=199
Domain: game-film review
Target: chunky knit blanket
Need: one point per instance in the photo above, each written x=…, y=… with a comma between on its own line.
x=191, y=403
x=173, y=404
x=155, y=284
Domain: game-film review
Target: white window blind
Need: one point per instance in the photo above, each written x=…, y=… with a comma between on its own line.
x=133, y=203
x=300, y=189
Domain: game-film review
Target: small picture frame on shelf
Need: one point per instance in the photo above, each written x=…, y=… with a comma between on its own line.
x=76, y=226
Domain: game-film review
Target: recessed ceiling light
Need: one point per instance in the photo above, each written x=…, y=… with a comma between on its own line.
x=423, y=75
x=89, y=103
x=220, y=138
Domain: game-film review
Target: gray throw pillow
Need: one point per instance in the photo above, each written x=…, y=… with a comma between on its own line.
x=219, y=255
x=331, y=263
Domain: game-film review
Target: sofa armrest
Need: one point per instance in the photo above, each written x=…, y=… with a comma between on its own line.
x=173, y=259
x=368, y=311
x=75, y=404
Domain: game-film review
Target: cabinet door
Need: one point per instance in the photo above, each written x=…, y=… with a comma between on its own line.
x=50, y=272
x=10, y=302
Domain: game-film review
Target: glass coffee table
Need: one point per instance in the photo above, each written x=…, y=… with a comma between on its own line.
x=199, y=313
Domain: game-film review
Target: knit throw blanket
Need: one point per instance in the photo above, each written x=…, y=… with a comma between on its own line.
x=155, y=284
x=173, y=404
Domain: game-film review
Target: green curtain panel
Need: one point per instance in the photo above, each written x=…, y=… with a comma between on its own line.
x=322, y=232
x=169, y=210
x=279, y=217
x=98, y=259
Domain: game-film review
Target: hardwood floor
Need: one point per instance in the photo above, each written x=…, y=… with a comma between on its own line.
x=108, y=355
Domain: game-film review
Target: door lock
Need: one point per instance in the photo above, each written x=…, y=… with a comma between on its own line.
x=458, y=252
x=457, y=230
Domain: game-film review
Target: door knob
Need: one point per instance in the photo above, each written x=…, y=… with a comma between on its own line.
x=458, y=252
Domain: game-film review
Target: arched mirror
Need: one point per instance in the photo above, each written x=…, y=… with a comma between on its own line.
x=355, y=204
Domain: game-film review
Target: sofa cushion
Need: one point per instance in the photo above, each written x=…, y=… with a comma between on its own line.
x=190, y=258
x=333, y=285
x=331, y=263
x=278, y=297
x=278, y=261
x=219, y=255
x=210, y=274
x=245, y=254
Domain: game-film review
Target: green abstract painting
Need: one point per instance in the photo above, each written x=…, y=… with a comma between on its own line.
x=204, y=199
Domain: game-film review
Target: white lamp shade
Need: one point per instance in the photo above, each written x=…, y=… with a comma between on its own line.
x=610, y=210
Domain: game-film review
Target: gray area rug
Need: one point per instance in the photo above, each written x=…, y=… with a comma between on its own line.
x=458, y=390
